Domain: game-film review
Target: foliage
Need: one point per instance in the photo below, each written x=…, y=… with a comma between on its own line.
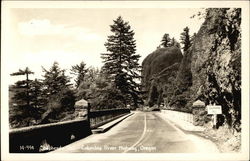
x=159, y=73
x=183, y=81
x=55, y=80
x=166, y=40
x=169, y=89
x=193, y=38
x=224, y=88
x=92, y=74
x=38, y=101
x=210, y=69
x=121, y=63
x=25, y=100
x=158, y=63
x=185, y=39
x=23, y=84
x=57, y=90
x=26, y=72
x=80, y=71
x=88, y=87
x=99, y=91
x=176, y=87
x=37, y=98
x=153, y=96
x=108, y=98
x=174, y=42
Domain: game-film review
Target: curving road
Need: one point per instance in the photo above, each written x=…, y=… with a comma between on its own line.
x=143, y=132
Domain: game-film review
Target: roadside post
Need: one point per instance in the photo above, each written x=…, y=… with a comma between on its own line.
x=198, y=111
x=82, y=109
x=214, y=110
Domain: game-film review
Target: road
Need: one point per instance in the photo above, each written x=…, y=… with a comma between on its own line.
x=143, y=132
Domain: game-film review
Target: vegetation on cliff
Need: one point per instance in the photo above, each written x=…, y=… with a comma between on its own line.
x=157, y=67
x=210, y=69
x=216, y=63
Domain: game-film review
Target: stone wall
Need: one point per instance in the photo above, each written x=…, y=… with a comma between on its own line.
x=188, y=117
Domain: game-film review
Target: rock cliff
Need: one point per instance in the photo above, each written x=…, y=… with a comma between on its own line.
x=157, y=68
x=216, y=63
x=210, y=70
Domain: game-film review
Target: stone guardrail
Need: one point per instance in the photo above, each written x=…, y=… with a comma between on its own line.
x=47, y=137
x=188, y=117
x=98, y=118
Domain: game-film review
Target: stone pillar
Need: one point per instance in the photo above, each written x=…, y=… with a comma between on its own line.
x=81, y=108
x=199, y=113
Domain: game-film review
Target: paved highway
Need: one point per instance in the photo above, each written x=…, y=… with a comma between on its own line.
x=143, y=132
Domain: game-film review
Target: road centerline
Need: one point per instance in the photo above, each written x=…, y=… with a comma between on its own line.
x=142, y=136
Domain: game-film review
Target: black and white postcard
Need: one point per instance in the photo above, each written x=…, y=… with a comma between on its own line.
x=125, y=80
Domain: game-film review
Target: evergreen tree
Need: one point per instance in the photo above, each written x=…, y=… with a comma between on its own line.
x=185, y=39
x=57, y=88
x=25, y=103
x=173, y=42
x=87, y=88
x=165, y=42
x=55, y=80
x=80, y=71
x=121, y=63
x=24, y=84
x=38, y=100
x=192, y=38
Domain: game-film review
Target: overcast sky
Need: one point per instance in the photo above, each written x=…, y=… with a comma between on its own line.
x=41, y=36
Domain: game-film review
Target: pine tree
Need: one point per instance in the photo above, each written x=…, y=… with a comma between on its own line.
x=36, y=94
x=121, y=63
x=192, y=38
x=173, y=42
x=25, y=103
x=165, y=42
x=185, y=39
x=80, y=71
x=57, y=88
x=55, y=80
x=24, y=83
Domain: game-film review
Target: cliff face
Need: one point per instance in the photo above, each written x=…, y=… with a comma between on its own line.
x=210, y=70
x=211, y=49
x=157, y=68
x=216, y=63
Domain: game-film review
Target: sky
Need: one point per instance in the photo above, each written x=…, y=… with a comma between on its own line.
x=40, y=36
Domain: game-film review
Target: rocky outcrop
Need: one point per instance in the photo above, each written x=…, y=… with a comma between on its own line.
x=157, y=68
x=216, y=63
x=210, y=70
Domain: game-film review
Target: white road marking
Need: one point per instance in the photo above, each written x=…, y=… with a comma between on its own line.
x=143, y=134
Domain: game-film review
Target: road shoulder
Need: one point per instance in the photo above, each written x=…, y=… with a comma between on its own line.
x=204, y=144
